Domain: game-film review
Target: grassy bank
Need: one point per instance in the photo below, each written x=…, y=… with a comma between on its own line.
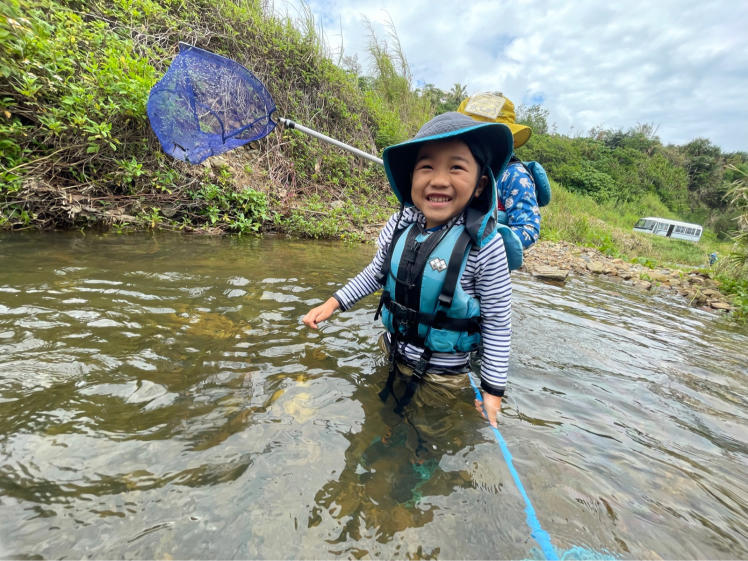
x=77, y=151
x=608, y=227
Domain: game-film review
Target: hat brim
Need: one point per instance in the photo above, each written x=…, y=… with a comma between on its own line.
x=399, y=159
x=521, y=133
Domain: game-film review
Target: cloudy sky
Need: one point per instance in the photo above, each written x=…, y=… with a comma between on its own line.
x=681, y=66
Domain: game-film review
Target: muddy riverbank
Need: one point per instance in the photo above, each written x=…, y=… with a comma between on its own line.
x=556, y=261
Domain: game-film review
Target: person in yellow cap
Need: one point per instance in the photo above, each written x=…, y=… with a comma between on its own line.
x=516, y=187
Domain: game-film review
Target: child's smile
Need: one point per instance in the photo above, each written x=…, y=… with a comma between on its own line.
x=444, y=178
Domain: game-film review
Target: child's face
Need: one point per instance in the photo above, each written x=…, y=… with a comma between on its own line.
x=444, y=177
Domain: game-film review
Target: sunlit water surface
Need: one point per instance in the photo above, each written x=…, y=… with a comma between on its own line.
x=160, y=398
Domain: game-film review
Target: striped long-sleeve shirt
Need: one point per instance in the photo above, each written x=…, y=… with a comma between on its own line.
x=486, y=277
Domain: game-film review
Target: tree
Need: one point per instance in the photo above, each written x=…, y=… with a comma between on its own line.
x=703, y=164
x=435, y=96
x=454, y=97
x=642, y=138
x=535, y=117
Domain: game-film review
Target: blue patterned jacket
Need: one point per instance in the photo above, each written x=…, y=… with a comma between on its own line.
x=516, y=190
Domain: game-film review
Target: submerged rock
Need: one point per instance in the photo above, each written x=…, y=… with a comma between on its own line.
x=550, y=273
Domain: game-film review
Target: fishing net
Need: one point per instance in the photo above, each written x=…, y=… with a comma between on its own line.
x=207, y=104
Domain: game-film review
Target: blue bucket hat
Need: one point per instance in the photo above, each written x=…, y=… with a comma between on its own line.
x=491, y=145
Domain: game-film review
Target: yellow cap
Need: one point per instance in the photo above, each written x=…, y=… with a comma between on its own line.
x=495, y=108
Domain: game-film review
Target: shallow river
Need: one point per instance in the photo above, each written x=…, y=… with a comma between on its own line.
x=160, y=398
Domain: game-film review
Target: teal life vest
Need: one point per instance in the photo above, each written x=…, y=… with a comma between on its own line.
x=423, y=302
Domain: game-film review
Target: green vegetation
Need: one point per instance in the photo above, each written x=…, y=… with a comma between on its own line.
x=733, y=271
x=76, y=149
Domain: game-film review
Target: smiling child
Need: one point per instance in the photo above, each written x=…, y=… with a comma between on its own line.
x=441, y=264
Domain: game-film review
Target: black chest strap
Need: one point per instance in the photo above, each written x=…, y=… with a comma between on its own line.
x=453, y=269
x=412, y=264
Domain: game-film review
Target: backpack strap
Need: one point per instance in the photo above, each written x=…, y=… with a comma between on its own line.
x=540, y=178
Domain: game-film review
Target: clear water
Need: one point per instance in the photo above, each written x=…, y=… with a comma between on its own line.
x=160, y=398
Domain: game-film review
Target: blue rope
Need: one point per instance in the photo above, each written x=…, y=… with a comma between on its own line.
x=537, y=532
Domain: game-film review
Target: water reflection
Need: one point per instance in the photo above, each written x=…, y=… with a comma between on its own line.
x=159, y=398
x=395, y=470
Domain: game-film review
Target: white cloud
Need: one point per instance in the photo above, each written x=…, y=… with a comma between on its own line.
x=681, y=65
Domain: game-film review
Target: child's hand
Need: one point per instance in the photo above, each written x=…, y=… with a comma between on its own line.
x=492, y=406
x=319, y=314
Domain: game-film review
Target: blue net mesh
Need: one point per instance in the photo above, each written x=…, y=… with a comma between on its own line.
x=207, y=104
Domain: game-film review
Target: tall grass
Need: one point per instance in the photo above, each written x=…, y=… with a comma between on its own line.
x=738, y=196
x=397, y=108
x=733, y=271
x=609, y=227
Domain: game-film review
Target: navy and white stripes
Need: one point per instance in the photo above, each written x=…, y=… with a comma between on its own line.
x=486, y=277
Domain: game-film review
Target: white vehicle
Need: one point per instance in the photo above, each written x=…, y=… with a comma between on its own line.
x=669, y=228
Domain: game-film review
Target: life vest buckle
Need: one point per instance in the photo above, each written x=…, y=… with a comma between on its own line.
x=403, y=316
x=419, y=370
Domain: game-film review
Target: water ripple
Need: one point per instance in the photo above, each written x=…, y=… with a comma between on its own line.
x=181, y=410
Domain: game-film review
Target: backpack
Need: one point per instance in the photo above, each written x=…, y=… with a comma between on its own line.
x=542, y=185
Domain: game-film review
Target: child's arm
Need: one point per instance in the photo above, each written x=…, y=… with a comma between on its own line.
x=319, y=314
x=494, y=288
x=361, y=285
